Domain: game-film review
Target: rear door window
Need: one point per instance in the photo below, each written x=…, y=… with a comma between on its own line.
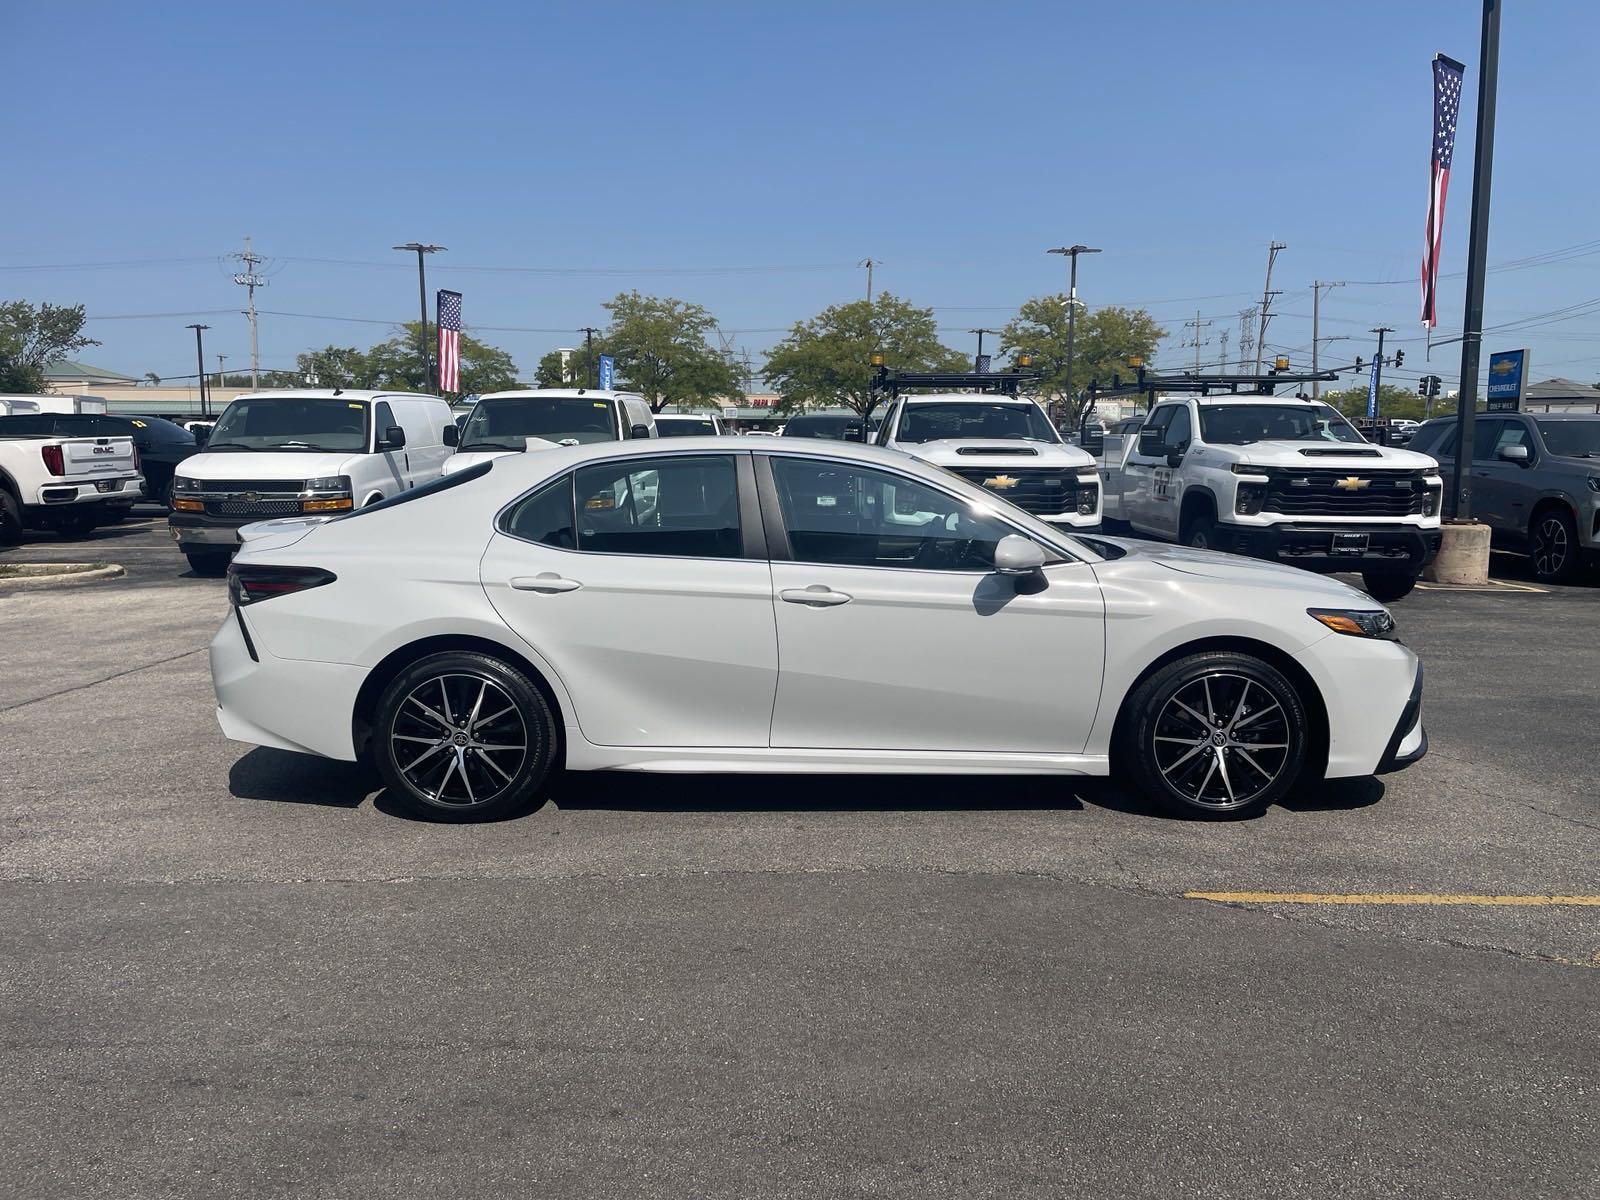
x=685, y=507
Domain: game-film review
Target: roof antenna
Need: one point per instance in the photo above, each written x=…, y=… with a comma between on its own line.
x=338, y=391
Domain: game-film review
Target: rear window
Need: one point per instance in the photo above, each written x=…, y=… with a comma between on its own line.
x=443, y=484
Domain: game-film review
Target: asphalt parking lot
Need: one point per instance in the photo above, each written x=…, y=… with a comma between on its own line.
x=234, y=971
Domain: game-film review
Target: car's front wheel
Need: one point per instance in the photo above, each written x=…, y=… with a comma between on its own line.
x=1214, y=734
x=462, y=736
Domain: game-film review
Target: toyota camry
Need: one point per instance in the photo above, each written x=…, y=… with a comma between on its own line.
x=705, y=605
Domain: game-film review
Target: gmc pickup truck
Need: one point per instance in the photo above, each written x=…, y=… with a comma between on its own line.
x=1280, y=478
x=65, y=484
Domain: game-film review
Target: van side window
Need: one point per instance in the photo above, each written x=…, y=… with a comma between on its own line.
x=382, y=418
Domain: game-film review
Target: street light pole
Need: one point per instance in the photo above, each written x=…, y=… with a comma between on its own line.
x=977, y=363
x=200, y=358
x=1072, y=252
x=421, y=249
x=588, y=332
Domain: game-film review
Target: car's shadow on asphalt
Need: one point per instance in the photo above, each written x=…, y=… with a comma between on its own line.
x=279, y=777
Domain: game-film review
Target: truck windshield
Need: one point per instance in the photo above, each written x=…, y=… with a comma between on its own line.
x=568, y=420
x=686, y=427
x=1010, y=422
x=1241, y=424
x=291, y=423
x=1571, y=439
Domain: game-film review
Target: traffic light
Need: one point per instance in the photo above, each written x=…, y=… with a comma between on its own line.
x=1399, y=357
x=1433, y=386
x=1423, y=385
x=1358, y=362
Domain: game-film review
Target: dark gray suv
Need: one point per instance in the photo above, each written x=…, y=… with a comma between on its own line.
x=1535, y=483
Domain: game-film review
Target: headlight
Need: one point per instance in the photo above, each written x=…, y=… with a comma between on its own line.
x=182, y=483
x=1249, y=499
x=1370, y=623
x=1247, y=469
x=329, y=483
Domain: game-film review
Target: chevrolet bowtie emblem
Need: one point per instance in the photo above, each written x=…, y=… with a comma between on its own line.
x=249, y=497
x=1000, y=483
x=1351, y=483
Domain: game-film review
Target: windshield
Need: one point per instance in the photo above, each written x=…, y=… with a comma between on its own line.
x=291, y=423
x=1012, y=422
x=1571, y=439
x=1241, y=424
x=837, y=426
x=685, y=427
x=567, y=420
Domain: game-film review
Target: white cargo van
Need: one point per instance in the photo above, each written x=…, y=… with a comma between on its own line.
x=504, y=423
x=303, y=453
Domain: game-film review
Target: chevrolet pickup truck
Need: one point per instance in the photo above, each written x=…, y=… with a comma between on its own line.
x=1280, y=478
x=65, y=484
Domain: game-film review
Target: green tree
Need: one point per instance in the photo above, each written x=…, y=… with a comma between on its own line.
x=33, y=338
x=1392, y=402
x=827, y=360
x=334, y=367
x=663, y=352
x=577, y=373
x=1105, y=342
x=395, y=364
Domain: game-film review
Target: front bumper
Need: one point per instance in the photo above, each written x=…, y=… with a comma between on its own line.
x=1410, y=740
x=198, y=529
x=1400, y=548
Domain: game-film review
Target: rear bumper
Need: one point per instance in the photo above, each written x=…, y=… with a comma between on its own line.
x=1400, y=548
x=118, y=489
x=289, y=704
x=1410, y=740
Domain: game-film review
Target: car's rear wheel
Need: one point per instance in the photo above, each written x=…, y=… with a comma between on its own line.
x=10, y=518
x=1554, y=546
x=1215, y=734
x=462, y=736
x=1388, y=585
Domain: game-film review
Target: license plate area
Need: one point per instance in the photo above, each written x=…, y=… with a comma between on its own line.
x=106, y=485
x=1349, y=543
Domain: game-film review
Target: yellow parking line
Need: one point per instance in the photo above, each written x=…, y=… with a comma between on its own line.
x=1395, y=898
x=1492, y=586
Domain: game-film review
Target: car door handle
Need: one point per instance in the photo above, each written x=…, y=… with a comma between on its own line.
x=548, y=584
x=817, y=596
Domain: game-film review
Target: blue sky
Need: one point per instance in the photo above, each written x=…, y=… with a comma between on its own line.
x=673, y=148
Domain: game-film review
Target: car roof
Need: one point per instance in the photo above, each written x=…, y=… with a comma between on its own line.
x=353, y=394
x=560, y=394
x=686, y=416
x=1246, y=398
x=966, y=398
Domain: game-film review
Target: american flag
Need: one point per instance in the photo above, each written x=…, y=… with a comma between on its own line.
x=449, y=310
x=1446, y=110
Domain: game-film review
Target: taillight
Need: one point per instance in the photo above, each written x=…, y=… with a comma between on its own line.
x=54, y=460
x=136, y=464
x=249, y=584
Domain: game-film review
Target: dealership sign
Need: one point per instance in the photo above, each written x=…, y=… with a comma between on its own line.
x=1508, y=380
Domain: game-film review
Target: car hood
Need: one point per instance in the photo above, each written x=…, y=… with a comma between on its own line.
x=264, y=464
x=1235, y=569
x=955, y=452
x=1289, y=454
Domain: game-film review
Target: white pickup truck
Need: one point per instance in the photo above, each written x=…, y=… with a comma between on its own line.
x=65, y=484
x=1280, y=478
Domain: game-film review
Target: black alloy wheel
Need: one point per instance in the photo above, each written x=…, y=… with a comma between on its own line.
x=462, y=736
x=1554, y=546
x=1216, y=734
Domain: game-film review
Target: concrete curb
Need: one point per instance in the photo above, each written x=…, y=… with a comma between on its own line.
x=48, y=575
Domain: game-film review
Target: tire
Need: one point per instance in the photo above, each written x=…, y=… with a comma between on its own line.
x=208, y=563
x=1170, y=759
x=439, y=755
x=10, y=519
x=1388, y=585
x=76, y=524
x=1553, y=546
x=1201, y=533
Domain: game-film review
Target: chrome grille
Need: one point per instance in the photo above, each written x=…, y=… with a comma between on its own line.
x=1038, y=491
x=1348, y=492
x=256, y=508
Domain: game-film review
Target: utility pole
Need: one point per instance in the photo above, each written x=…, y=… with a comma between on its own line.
x=250, y=280
x=422, y=249
x=977, y=363
x=1316, y=329
x=869, y=263
x=1266, y=301
x=1223, y=338
x=1072, y=252
x=1459, y=503
x=588, y=332
x=200, y=357
x=1197, y=325
x=1377, y=370
x=222, y=379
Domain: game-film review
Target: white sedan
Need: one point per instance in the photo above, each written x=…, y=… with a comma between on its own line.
x=792, y=606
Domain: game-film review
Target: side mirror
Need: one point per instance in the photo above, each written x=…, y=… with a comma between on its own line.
x=1150, y=442
x=1515, y=454
x=639, y=431
x=1017, y=555
x=1175, y=455
x=202, y=435
x=452, y=434
x=394, y=438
